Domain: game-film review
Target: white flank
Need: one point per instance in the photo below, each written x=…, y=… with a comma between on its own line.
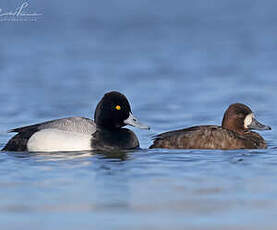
x=55, y=140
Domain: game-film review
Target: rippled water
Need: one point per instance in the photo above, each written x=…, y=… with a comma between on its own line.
x=180, y=64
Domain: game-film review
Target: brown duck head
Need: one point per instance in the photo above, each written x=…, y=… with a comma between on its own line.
x=240, y=118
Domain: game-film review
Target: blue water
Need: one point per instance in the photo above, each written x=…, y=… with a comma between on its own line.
x=180, y=63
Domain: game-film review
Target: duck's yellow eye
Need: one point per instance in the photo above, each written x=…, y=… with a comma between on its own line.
x=118, y=107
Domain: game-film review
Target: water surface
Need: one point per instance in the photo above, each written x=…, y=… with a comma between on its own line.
x=180, y=64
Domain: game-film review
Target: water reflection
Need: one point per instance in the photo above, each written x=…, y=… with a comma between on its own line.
x=51, y=156
x=58, y=156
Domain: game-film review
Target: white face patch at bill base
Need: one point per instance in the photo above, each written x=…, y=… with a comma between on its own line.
x=248, y=120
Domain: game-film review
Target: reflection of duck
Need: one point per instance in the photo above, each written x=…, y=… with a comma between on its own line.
x=120, y=155
x=234, y=133
x=79, y=133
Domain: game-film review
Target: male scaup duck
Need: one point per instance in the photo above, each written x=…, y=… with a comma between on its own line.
x=79, y=133
x=234, y=133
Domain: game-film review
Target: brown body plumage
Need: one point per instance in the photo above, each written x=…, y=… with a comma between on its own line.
x=233, y=134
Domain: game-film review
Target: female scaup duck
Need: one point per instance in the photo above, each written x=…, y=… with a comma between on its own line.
x=234, y=133
x=79, y=133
